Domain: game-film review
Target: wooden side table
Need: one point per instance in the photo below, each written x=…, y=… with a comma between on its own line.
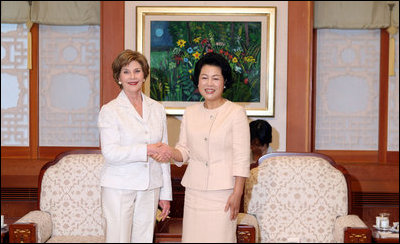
x=377, y=238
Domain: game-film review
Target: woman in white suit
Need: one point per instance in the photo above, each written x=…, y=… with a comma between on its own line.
x=215, y=142
x=132, y=128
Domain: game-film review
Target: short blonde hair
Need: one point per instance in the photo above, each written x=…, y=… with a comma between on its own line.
x=125, y=58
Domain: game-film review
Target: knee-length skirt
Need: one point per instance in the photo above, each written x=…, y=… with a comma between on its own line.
x=204, y=218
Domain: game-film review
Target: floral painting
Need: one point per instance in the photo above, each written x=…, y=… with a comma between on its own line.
x=176, y=46
x=174, y=38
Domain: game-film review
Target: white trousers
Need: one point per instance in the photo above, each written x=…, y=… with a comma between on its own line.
x=130, y=215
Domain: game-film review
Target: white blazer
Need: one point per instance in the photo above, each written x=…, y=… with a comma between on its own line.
x=124, y=137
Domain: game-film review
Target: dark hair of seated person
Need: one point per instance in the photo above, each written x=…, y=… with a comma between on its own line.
x=260, y=138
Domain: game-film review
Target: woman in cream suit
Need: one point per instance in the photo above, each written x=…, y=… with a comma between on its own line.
x=132, y=127
x=215, y=142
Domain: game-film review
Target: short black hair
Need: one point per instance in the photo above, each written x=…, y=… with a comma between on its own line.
x=261, y=130
x=214, y=59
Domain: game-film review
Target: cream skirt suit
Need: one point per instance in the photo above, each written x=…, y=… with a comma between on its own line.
x=132, y=183
x=216, y=145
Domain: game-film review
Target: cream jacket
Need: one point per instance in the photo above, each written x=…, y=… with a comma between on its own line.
x=124, y=137
x=216, y=145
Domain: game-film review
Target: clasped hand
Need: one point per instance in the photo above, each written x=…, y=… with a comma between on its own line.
x=160, y=152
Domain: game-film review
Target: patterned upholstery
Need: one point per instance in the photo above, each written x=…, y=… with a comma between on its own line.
x=296, y=198
x=71, y=193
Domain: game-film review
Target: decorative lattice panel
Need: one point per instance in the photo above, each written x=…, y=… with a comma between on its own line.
x=347, y=106
x=69, y=79
x=393, y=107
x=14, y=85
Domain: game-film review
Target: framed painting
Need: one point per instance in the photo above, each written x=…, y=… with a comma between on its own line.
x=174, y=38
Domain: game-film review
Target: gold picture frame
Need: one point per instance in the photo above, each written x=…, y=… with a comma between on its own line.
x=264, y=18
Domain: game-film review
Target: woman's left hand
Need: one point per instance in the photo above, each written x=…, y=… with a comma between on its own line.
x=165, y=206
x=233, y=204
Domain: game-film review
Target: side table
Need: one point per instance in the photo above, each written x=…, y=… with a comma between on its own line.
x=377, y=238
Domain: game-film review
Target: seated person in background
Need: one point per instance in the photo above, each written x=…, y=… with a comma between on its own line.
x=260, y=138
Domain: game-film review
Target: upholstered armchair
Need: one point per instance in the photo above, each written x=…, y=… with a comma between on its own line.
x=69, y=202
x=302, y=197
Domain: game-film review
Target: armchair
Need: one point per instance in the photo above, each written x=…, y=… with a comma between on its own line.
x=302, y=197
x=69, y=202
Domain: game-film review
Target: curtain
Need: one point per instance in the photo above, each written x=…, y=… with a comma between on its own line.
x=15, y=12
x=355, y=14
x=51, y=12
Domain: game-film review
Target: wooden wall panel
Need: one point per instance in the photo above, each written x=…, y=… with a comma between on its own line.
x=112, y=28
x=383, y=94
x=299, y=77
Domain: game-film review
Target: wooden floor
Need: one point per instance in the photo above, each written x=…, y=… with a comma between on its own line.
x=168, y=231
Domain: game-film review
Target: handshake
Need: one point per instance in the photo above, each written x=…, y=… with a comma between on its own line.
x=160, y=152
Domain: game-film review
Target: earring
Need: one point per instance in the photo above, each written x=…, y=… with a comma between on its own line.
x=119, y=83
x=224, y=87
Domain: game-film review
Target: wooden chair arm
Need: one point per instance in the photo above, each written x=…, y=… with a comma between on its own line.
x=357, y=235
x=23, y=233
x=245, y=233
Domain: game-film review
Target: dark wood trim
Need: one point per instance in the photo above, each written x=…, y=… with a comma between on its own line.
x=112, y=31
x=34, y=94
x=23, y=233
x=52, y=152
x=299, y=76
x=15, y=152
x=383, y=96
x=392, y=157
x=342, y=156
x=314, y=90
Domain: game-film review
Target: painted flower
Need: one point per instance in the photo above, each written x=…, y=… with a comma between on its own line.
x=221, y=51
x=185, y=60
x=196, y=55
x=189, y=50
x=172, y=65
x=197, y=40
x=246, y=81
x=238, y=69
x=249, y=59
x=204, y=41
x=181, y=43
x=234, y=60
x=178, y=59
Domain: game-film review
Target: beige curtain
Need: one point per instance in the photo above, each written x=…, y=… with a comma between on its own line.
x=354, y=14
x=14, y=12
x=51, y=12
